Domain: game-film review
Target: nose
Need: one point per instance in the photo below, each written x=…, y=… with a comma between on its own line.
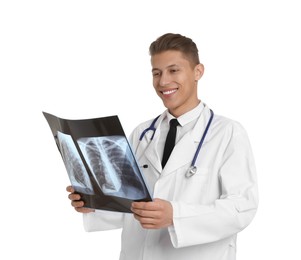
x=165, y=79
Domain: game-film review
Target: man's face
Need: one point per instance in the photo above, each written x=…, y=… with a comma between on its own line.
x=175, y=81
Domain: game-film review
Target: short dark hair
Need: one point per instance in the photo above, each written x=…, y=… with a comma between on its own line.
x=177, y=42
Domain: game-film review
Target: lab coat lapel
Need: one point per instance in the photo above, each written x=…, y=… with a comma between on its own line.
x=182, y=154
x=185, y=149
x=151, y=152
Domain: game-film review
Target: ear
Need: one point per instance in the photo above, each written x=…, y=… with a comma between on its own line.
x=199, y=71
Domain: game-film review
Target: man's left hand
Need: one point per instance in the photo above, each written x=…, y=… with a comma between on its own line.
x=153, y=215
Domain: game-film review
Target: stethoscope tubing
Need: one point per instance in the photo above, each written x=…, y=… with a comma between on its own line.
x=150, y=128
x=202, y=139
x=192, y=169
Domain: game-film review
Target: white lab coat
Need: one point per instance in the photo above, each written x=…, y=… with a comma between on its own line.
x=209, y=209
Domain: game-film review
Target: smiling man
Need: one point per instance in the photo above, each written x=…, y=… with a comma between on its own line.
x=206, y=191
x=175, y=80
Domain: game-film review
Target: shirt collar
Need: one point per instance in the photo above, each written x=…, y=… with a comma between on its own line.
x=188, y=116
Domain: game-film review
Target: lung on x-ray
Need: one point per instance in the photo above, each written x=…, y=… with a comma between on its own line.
x=76, y=170
x=99, y=161
x=113, y=167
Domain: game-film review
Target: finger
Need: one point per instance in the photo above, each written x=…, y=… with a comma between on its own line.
x=138, y=205
x=151, y=214
x=150, y=206
x=147, y=209
x=70, y=189
x=145, y=220
x=147, y=223
x=74, y=196
x=84, y=210
x=77, y=204
x=149, y=226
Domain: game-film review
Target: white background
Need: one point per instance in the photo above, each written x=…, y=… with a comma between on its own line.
x=80, y=59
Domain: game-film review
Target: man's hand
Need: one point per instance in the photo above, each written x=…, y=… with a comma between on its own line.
x=76, y=201
x=153, y=215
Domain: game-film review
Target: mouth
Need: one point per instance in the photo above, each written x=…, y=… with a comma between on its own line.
x=168, y=92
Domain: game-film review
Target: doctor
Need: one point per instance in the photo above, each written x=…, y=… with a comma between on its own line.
x=195, y=214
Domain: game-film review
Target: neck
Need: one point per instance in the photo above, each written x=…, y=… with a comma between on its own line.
x=177, y=112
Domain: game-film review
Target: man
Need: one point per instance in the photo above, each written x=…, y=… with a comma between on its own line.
x=193, y=215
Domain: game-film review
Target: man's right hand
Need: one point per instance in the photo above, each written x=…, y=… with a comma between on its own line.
x=76, y=201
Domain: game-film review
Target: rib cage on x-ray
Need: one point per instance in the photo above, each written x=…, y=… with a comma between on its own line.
x=113, y=166
x=74, y=165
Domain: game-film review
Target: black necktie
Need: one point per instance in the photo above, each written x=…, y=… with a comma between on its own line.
x=170, y=140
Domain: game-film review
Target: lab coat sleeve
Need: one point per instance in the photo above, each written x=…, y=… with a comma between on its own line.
x=236, y=205
x=101, y=220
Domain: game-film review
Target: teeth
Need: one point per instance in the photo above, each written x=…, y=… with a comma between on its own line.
x=169, y=92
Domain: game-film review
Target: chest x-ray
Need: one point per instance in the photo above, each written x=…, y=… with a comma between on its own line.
x=99, y=162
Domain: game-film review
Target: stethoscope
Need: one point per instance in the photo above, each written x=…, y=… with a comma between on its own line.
x=192, y=169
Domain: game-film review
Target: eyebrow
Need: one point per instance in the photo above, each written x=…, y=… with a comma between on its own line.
x=169, y=66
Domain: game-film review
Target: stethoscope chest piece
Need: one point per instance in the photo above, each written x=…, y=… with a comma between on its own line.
x=191, y=171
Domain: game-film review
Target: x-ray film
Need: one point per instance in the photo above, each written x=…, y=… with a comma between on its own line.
x=99, y=161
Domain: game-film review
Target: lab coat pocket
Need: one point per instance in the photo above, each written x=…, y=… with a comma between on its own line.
x=202, y=173
x=191, y=189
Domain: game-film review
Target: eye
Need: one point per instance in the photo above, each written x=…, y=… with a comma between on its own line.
x=173, y=70
x=156, y=73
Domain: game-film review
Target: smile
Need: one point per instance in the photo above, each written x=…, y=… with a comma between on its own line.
x=168, y=92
